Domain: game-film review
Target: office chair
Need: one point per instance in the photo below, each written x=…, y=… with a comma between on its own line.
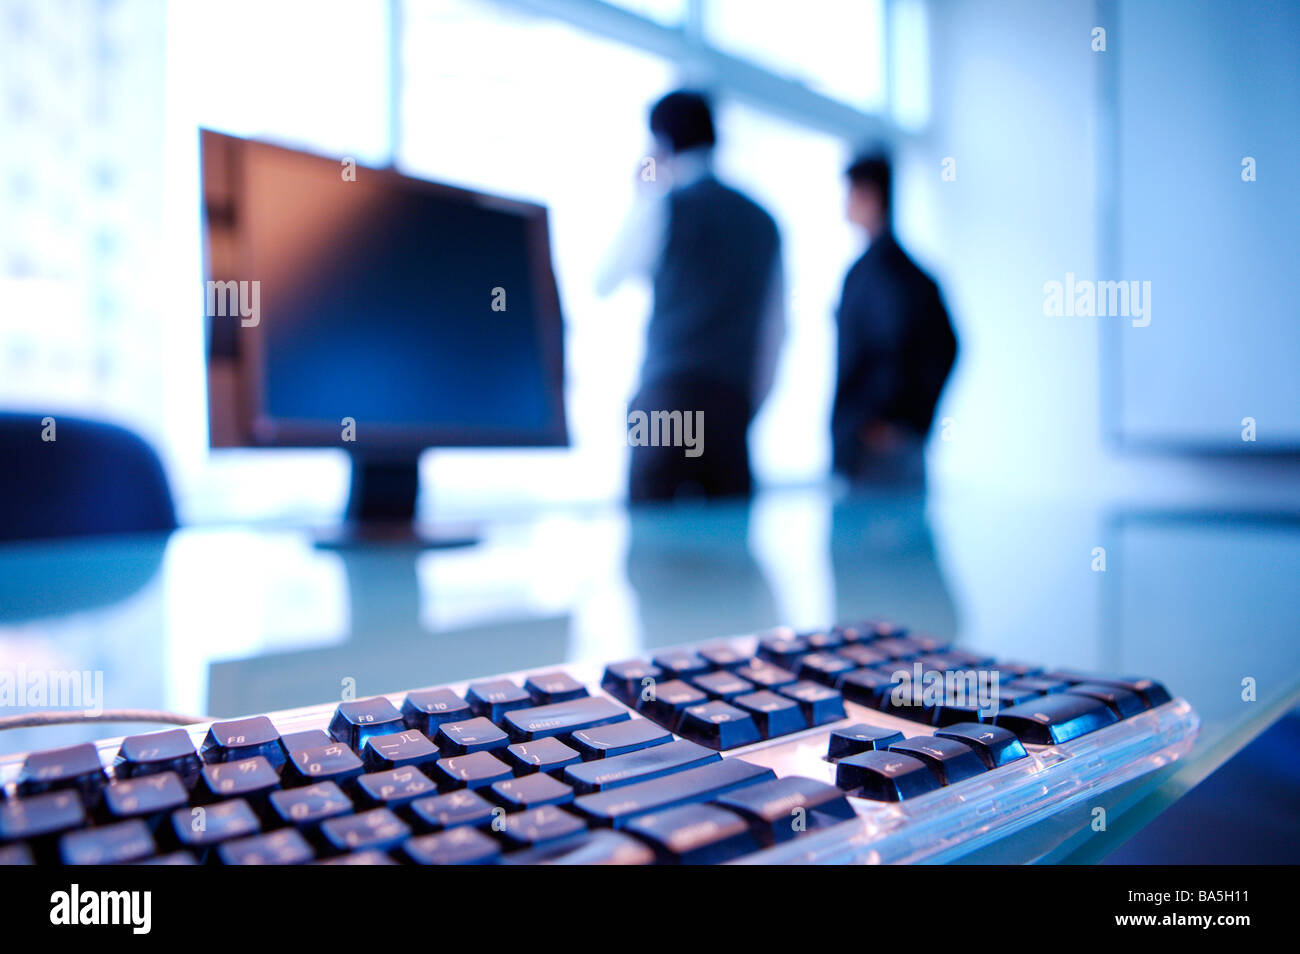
x=93, y=478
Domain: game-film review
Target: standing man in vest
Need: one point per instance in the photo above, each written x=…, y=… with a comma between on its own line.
x=896, y=346
x=713, y=256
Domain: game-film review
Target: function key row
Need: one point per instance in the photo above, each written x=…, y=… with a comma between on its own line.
x=353, y=724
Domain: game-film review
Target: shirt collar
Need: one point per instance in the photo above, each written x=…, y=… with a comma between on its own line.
x=691, y=165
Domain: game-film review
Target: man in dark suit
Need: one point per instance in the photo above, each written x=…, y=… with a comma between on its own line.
x=896, y=346
x=713, y=257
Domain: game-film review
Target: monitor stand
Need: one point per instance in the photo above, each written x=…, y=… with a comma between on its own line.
x=381, y=510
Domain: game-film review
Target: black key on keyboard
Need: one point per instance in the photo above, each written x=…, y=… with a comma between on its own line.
x=782, y=650
x=669, y=698
x=75, y=767
x=426, y=709
x=242, y=739
x=695, y=835
x=1148, y=690
x=764, y=675
x=459, y=846
x=718, y=726
x=116, y=844
x=866, y=687
x=476, y=770
x=681, y=664
x=860, y=738
x=169, y=751
x=562, y=718
x=963, y=659
x=937, y=662
x=861, y=654
x=171, y=858
x=882, y=629
x=773, y=714
x=825, y=668
x=785, y=807
x=994, y=745
x=530, y=791
x=627, y=680
x=551, y=687
x=638, y=766
x=961, y=707
x=473, y=735
x=618, y=806
x=394, y=787
x=951, y=760
x=38, y=815
x=359, y=858
x=145, y=797
x=932, y=644
x=16, y=854
x=330, y=763
x=307, y=807
x=1008, y=697
x=398, y=749
x=1050, y=720
x=544, y=755
x=354, y=722
x=899, y=647
x=723, y=657
x=1120, y=701
x=452, y=810
x=619, y=738
x=493, y=699
x=722, y=685
x=1039, y=685
x=820, y=704
x=252, y=779
x=284, y=847
x=599, y=846
x=909, y=701
x=856, y=633
x=538, y=825
x=200, y=828
x=375, y=830
x=823, y=640
x=1009, y=671
x=884, y=776
x=297, y=741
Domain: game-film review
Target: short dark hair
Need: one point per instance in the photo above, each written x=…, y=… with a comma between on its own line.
x=873, y=169
x=684, y=120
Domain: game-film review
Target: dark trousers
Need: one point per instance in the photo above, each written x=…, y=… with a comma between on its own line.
x=902, y=466
x=722, y=467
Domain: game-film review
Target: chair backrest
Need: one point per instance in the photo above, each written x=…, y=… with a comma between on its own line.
x=66, y=476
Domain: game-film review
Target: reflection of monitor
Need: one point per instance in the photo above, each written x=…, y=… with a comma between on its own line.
x=357, y=308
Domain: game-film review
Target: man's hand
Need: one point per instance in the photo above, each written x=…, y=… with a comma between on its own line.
x=881, y=437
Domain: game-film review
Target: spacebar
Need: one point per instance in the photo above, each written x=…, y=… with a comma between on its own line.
x=618, y=806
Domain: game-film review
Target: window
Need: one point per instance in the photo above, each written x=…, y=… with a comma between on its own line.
x=98, y=277
x=833, y=46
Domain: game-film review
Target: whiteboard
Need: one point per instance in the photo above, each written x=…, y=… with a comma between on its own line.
x=1190, y=89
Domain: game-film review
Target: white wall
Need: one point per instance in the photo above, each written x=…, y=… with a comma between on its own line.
x=1014, y=91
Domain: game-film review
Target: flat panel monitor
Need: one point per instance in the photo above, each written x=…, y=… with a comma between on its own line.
x=363, y=309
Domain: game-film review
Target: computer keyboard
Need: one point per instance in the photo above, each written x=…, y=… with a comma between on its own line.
x=859, y=743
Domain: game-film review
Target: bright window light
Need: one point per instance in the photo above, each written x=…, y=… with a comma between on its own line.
x=836, y=47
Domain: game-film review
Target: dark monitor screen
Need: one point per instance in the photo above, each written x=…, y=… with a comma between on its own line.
x=426, y=314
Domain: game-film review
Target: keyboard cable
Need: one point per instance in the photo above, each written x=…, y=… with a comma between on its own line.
x=28, y=719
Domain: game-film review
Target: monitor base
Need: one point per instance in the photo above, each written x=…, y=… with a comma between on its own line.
x=396, y=533
x=381, y=509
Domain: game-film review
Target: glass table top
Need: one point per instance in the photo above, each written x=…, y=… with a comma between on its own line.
x=230, y=620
